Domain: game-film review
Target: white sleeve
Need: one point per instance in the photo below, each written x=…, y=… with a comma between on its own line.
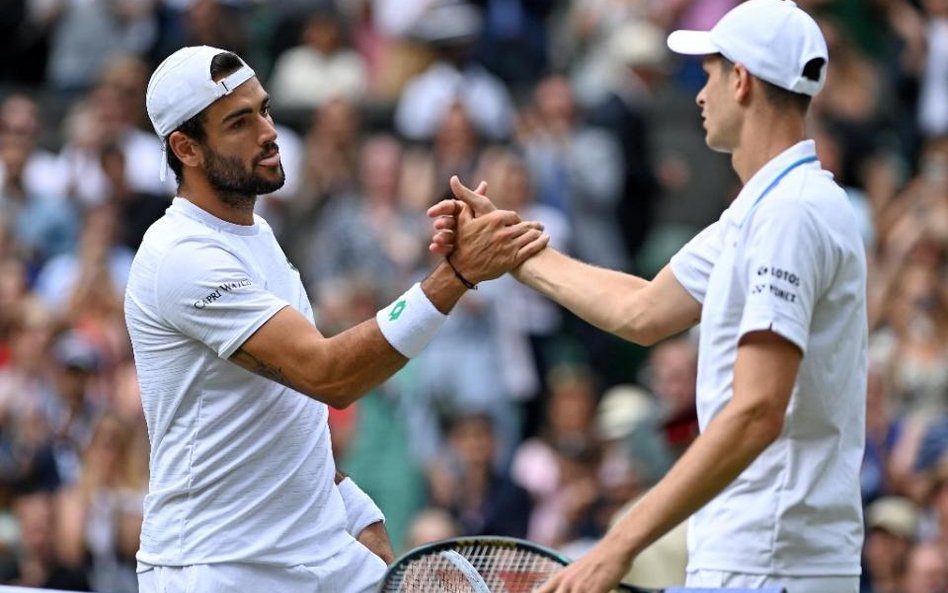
x=693, y=263
x=207, y=293
x=783, y=261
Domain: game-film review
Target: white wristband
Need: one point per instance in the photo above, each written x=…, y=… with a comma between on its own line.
x=361, y=510
x=410, y=322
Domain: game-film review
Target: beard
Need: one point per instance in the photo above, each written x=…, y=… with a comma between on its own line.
x=235, y=185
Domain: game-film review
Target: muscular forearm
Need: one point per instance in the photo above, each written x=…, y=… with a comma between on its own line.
x=605, y=298
x=729, y=445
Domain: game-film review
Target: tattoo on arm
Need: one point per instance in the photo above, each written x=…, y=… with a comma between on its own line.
x=257, y=366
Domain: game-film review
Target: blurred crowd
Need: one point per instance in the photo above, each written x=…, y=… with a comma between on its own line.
x=518, y=419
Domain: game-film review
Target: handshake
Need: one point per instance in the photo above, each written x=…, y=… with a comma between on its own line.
x=479, y=241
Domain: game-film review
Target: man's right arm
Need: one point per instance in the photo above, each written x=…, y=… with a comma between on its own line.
x=633, y=308
x=630, y=307
x=338, y=370
x=288, y=349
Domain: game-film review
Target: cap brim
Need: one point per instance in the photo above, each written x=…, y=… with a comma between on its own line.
x=691, y=43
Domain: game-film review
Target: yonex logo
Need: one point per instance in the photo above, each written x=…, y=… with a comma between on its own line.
x=397, y=310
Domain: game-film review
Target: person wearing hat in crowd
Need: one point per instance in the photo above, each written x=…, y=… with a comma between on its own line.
x=892, y=528
x=778, y=283
x=235, y=377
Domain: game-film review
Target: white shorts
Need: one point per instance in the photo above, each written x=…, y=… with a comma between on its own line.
x=353, y=570
x=816, y=584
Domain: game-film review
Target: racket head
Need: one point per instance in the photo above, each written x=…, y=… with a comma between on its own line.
x=506, y=565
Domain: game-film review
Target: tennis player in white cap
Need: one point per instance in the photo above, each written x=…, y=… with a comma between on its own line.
x=235, y=377
x=778, y=285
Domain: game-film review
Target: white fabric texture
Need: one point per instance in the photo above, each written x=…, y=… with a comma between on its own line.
x=410, y=322
x=241, y=467
x=793, y=264
x=715, y=580
x=352, y=570
x=361, y=510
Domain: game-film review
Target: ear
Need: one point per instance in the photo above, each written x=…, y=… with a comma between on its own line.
x=742, y=80
x=186, y=149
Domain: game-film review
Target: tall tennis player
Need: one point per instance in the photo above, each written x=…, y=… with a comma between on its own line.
x=235, y=377
x=778, y=284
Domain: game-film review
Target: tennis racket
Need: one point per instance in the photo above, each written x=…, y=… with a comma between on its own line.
x=480, y=564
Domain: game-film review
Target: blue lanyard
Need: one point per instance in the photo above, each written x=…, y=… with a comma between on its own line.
x=773, y=184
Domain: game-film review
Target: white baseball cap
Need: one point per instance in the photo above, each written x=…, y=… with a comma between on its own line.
x=181, y=87
x=774, y=39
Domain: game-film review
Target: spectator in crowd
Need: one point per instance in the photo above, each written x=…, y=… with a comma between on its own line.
x=366, y=233
x=569, y=409
x=39, y=562
x=451, y=29
x=20, y=124
x=321, y=68
x=577, y=169
x=87, y=33
x=464, y=480
x=933, y=94
x=641, y=63
x=892, y=530
x=330, y=164
x=102, y=512
x=526, y=315
x=927, y=570
x=884, y=429
x=431, y=525
x=76, y=404
x=42, y=226
x=672, y=374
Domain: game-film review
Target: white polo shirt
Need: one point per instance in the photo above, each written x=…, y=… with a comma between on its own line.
x=241, y=466
x=786, y=257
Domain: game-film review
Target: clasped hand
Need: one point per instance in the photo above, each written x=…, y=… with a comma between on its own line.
x=482, y=241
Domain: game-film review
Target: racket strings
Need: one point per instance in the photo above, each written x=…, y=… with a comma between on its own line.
x=429, y=574
x=505, y=569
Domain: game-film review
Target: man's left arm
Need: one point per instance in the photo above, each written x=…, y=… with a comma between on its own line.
x=364, y=520
x=764, y=376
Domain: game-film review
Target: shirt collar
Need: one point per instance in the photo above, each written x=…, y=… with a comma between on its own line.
x=757, y=184
x=191, y=210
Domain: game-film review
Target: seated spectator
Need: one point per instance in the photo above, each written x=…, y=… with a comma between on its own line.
x=891, y=531
x=102, y=513
x=451, y=29
x=87, y=33
x=464, y=481
x=39, y=563
x=41, y=226
x=430, y=525
x=76, y=404
x=568, y=417
x=321, y=68
x=136, y=210
x=42, y=174
x=672, y=374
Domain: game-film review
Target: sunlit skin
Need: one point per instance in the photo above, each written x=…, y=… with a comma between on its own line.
x=720, y=112
x=239, y=133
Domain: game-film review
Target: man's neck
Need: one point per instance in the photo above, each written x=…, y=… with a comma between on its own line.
x=771, y=134
x=236, y=210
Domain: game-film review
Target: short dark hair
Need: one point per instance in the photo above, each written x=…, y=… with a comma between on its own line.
x=781, y=97
x=222, y=64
